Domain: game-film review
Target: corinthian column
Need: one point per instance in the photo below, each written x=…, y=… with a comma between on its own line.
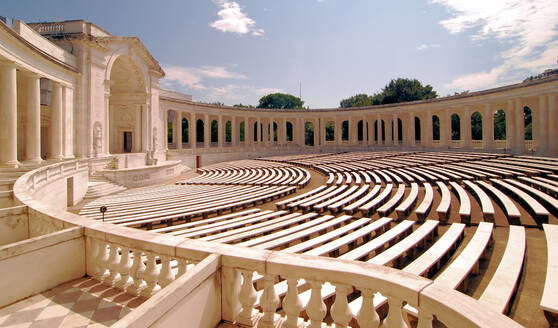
x=8, y=115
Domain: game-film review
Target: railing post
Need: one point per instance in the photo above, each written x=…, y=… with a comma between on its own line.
x=138, y=269
x=394, y=318
x=182, y=267
x=113, y=265
x=367, y=316
x=150, y=276
x=424, y=319
x=270, y=302
x=102, y=259
x=292, y=304
x=316, y=309
x=340, y=311
x=166, y=276
x=124, y=269
x=247, y=298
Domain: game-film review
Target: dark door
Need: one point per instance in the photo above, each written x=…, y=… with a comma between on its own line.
x=127, y=141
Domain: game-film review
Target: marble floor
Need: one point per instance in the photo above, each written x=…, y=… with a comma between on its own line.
x=79, y=303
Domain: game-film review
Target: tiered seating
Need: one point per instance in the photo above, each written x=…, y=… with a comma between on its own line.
x=549, y=301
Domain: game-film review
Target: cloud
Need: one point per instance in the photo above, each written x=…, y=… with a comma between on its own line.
x=206, y=83
x=232, y=19
x=526, y=28
x=427, y=46
x=191, y=77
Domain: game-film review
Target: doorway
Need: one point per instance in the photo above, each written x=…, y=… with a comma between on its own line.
x=127, y=141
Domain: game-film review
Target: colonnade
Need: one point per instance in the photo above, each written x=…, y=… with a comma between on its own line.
x=406, y=126
x=20, y=113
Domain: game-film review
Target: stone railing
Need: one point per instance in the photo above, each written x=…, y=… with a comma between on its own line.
x=46, y=174
x=144, y=263
x=456, y=143
x=500, y=144
x=477, y=144
x=529, y=145
x=436, y=143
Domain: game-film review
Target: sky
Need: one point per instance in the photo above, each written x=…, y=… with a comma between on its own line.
x=324, y=50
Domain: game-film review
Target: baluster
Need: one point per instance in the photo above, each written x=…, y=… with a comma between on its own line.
x=367, y=316
x=138, y=269
x=166, y=276
x=150, y=276
x=316, y=309
x=425, y=319
x=182, y=267
x=269, y=301
x=292, y=304
x=93, y=267
x=124, y=269
x=394, y=318
x=247, y=299
x=340, y=311
x=113, y=264
x=102, y=259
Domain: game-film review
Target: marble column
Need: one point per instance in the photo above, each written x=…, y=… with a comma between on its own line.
x=395, y=130
x=220, y=131
x=178, y=117
x=466, y=133
x=234, y=132
x=488, y=127
x=137, y=132
x=552, y=123
x=8, y=115
x=192, y=131
x=540, y=135
x=56, y=122
x=144, y=129
x=206, y=131
x=33, y=117
x=519, y=126
x=426, y=131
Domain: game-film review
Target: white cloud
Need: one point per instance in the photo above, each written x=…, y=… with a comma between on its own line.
x=526, y=28
x=205, y=83
x=427, y=46
x=191, y=77
x=232, y=19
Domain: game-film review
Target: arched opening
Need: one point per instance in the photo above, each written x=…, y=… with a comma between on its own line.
x=255, y=131
x=228, y=131
x=199, y=131
x=309, y=134
x=392, y=136
x=289, y=130
x=376, y=131
x=241, y=128
x=185, y=134
x=500, y=125
x=383, y=131
x=214, y=131
x=476, y=126
x=435, y=127
x=360, y=130
x=127, y=106
x=345, y=130
x=417, y=129
x=455, y=127
x=399, y=130
x=170, y=128
x=528, y=122
x=275, y=131
x=330, y=131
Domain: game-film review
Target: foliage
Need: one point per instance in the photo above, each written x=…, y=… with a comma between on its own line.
x=243, y=106
x=500, y=125
x=455, y=127
x=345, y=130
x=309, y=134
x=228, y=131
x=476, y=126
x=435, y=127
x=242, y=129
x=330, y=131
x=281, y=101
x=397, y=90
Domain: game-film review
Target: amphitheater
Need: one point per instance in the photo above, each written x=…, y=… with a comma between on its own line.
x=126, y=205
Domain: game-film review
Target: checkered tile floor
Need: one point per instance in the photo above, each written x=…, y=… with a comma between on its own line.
x=78, y=303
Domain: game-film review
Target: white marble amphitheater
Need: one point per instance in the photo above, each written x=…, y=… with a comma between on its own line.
x=404, y=215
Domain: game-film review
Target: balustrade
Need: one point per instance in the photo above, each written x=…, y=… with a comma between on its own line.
x=477, y=144
x=134, y=270
x=500, y=144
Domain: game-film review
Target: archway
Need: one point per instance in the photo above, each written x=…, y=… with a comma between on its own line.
x=228, y=131
x=528, y=122
x=476, y=126
x=289, y=130
x=330, y=131
x=360, y=130
x=500, y=125
x=214, y=131
x=345, y=130
x=255, y=131
x=200, y=138
x=185, y=131
x=399, y=130
x=241, y=131
x=309, y=134
x=127, y=107
x=455, y=127
x=417, y=129
x=435, y=127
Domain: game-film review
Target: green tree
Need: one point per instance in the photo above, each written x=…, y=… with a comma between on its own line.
x=397, y=90
x=280, y=100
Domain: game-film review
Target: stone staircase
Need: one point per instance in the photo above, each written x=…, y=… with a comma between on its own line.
x=100, y=186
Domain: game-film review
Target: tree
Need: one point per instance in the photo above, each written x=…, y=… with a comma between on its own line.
x=397, y=90
x=280, y=100
x=402, y=90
